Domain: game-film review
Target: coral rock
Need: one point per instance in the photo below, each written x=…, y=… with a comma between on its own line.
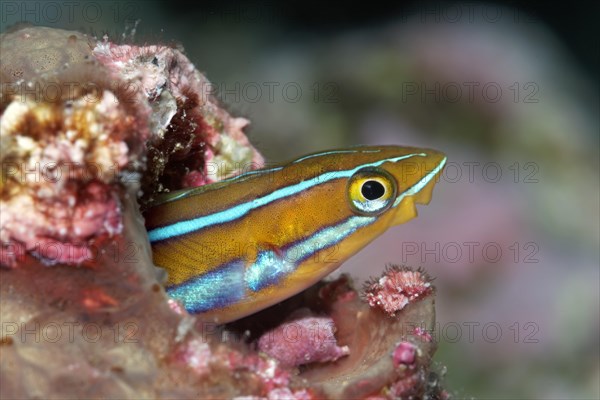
x=302, y=340
x=194, y=141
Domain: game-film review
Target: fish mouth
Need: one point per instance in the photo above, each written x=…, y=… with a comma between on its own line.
x=422, y=190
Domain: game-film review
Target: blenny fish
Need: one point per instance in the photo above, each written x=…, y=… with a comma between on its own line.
x=240, y=245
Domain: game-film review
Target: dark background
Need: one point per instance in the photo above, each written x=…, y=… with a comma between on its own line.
x=575, y=22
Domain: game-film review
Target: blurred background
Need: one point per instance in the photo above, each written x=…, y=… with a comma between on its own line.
x=508, y=91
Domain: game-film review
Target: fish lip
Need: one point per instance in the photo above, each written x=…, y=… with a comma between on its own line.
x=421, y=191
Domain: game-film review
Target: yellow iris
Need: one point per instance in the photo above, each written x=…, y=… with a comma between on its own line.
x=371, y=191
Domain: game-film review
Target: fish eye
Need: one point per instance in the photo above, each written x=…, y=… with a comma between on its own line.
x=371, y=191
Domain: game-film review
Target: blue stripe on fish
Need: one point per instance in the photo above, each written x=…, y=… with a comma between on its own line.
x=271, y=267
x=215, y=289
x=184, y=227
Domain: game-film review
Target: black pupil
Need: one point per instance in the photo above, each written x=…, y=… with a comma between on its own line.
x=372, y=190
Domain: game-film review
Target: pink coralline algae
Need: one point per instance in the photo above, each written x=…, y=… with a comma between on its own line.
x=397, y=288
x=302, y=340
x=266, y=376
x=195, y=141
x=404, y=354
x=90, y=132
x=372, y=367
x=380, y=357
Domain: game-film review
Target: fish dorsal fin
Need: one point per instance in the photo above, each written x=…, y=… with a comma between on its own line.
x=163, y=198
